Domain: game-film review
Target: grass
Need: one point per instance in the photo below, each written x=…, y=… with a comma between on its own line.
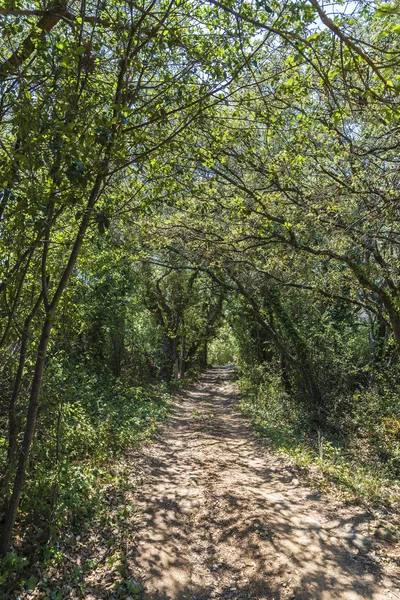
x=327, y=464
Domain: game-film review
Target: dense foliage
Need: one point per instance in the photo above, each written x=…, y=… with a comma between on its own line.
x=186, y=182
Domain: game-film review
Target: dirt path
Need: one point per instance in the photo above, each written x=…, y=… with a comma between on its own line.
x=220, y=516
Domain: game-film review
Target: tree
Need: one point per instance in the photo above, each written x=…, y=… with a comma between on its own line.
x=87, y=97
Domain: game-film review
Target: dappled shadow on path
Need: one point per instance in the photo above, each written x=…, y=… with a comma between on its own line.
x=220, y=516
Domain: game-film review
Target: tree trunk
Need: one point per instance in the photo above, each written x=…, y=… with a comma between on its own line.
x=175, y=358
x=182, y=359
x=12, y=417
x=28, y=437
x=203, y=356
x=395, y=322
x=172, y=358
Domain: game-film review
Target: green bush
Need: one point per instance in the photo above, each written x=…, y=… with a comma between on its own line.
x=361, y=453
x=91, y=422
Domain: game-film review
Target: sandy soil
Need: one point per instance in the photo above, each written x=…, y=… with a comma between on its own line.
x=221, y=516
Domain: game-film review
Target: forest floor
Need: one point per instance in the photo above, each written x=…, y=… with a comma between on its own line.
x=217, y=514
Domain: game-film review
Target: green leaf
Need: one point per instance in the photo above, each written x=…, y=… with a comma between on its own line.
x=31, y=583
x=387, y=9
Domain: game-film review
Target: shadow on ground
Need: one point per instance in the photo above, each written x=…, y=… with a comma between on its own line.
x=220, y=516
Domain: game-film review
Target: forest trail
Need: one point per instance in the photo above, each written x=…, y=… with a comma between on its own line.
x=220, y=516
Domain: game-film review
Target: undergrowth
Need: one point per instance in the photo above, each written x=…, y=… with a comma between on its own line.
x=357, y=453
x=77, y=467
